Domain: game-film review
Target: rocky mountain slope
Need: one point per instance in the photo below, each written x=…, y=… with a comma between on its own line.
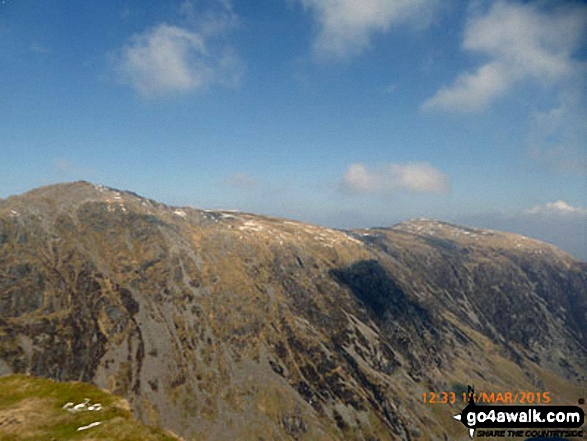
x=225, y=325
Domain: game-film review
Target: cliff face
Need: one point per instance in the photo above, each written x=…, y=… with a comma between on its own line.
x=226, y=325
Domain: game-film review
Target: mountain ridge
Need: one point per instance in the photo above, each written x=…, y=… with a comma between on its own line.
x=221, y=325
x=89, y=190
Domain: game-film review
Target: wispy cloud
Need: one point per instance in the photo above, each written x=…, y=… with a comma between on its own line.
x=521, y=42
x=65, y=168
x=389, y=179
x=38, y=48
x=557, y=137
x=241, y=180
x=167, y=58
x=391, y=88
x=213, y=18
x=559, y=207
x=346, y=26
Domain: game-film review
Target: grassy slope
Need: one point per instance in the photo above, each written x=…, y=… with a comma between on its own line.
x=31, y=409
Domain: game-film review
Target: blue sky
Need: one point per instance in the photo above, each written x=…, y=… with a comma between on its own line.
x=345, y=113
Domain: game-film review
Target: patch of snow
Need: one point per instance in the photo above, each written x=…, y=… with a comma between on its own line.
x=89, y=426
x=228, y=216
x=180, y=213
x=251, y=225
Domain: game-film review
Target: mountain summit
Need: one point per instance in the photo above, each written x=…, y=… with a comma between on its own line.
x=226, y=325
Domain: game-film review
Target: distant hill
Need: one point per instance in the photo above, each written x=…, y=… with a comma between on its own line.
x=225, y=325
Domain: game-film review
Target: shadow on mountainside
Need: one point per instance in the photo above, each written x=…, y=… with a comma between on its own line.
x=408, y=327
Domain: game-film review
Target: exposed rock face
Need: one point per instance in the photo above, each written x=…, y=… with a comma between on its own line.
x=225, y=325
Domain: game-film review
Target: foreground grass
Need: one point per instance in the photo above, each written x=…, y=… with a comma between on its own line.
x=31, y=408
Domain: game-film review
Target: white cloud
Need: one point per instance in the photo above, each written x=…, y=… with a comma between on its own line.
x=241, y=180
x=472, y=91
x=391, y=178
x=559, y=207
x=346, y=26
x=521, y=42
x=168, y=58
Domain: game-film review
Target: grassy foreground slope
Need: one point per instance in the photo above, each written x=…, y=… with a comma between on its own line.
x=31, y=408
